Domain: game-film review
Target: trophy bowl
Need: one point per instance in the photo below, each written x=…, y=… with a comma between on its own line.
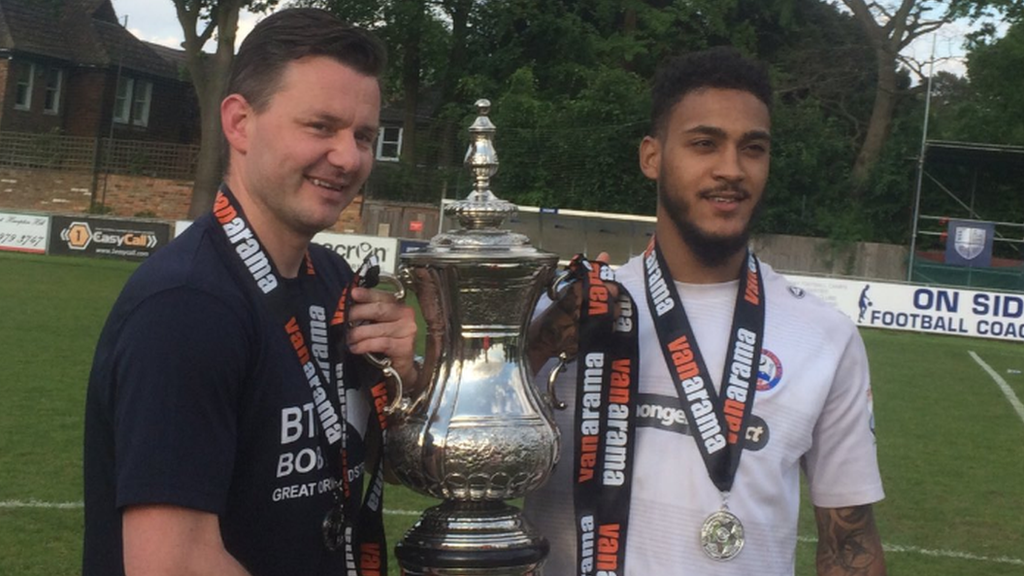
x=475, y=432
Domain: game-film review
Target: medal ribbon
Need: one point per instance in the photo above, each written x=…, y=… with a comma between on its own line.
x=717, y=422
x=327, y=343
x=606, y=390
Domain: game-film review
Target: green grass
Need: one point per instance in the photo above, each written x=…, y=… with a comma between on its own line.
x=951, y=447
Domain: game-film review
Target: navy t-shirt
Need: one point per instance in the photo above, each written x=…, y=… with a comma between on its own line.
x=196, y=399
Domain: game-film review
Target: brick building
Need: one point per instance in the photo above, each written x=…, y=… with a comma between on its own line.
x=70, y=67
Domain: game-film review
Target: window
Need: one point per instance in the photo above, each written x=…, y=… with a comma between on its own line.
x=122, y=101
x=51, y=100
x=132, y=101
x=389, y=143
x=23, y=95
x=140, y=106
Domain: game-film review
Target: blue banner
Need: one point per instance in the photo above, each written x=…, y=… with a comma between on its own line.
x=969, y=243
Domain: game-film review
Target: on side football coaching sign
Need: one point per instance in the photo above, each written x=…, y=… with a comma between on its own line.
x=956, y=311
x=78, y=236
x=23, y=232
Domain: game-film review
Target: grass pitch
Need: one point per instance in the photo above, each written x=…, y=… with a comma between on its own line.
x=950, y=442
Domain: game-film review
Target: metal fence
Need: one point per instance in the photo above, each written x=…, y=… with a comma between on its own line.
x=104, y=155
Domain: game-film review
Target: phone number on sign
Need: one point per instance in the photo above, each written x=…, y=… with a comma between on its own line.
x=14, y=240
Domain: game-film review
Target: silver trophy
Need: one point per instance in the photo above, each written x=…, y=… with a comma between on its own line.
x=476, y=432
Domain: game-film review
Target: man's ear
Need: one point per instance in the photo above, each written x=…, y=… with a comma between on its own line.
x=235, y=113
x=650, y=157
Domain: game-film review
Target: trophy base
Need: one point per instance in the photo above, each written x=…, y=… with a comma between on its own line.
x=472, y=539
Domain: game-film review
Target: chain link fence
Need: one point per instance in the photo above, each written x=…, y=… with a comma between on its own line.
x=53, y=151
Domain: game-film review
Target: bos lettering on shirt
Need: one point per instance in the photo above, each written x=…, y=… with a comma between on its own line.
x=297, y=423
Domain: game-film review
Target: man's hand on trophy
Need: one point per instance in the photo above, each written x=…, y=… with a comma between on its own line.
x=382, y=325
x=555, y=330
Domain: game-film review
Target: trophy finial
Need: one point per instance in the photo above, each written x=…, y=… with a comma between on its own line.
x=481, y=209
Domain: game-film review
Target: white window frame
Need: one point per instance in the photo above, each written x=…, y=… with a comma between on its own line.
x=142, y=98
x=27, y=104
x=56, y=91
x=123, y=101
x=381, y=142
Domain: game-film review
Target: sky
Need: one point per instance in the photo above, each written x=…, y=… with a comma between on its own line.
x=155, y=21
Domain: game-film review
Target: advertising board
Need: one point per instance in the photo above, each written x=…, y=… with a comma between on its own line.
x=24, y=232
x=977, y=313
x=88, y=236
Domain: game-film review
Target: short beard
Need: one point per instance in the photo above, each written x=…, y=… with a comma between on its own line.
x=711, y=251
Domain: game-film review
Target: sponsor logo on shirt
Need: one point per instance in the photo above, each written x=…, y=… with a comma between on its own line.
x=666, y=413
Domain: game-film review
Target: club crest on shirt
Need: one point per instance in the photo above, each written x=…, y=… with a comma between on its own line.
x=769, y=372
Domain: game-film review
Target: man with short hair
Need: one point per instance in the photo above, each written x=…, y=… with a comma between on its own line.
x=228, y=402
x=683, y=454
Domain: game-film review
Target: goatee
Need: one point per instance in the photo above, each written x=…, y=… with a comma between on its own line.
x=711, y=250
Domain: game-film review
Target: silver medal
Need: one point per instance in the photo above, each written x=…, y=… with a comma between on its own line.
x=721, y=536
x=334, y=528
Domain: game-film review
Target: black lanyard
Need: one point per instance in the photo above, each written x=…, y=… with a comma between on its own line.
x=716, y=421
x=318, y=339
x=607, y=384
x=607, y=390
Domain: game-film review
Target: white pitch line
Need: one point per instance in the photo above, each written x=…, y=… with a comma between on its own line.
x=888, y=547
x=33, y=503
x=1007, y=391
x=938, y=553
x=403, y=512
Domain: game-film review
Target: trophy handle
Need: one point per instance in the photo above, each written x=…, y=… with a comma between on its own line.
x=383, y=362
x=563, y=359
x=562, y=279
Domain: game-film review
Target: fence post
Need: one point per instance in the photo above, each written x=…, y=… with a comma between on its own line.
x=97, y=144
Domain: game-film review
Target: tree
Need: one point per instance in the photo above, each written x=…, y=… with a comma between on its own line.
x=994, y=69
x=890, y=27
x=200, y=20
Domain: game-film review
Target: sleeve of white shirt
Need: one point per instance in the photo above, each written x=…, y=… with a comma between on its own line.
x=842, y=464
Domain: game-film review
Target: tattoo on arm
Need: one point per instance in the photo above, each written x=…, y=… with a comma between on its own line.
x=848, y=542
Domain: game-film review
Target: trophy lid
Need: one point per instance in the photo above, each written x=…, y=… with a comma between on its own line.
x=481, y=213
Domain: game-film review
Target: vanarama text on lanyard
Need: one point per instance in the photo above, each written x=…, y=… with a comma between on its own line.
x=319, y=343
x=716, y=421
x=605, y=427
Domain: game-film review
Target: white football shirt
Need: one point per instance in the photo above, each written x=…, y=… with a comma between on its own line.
x=812, y=410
